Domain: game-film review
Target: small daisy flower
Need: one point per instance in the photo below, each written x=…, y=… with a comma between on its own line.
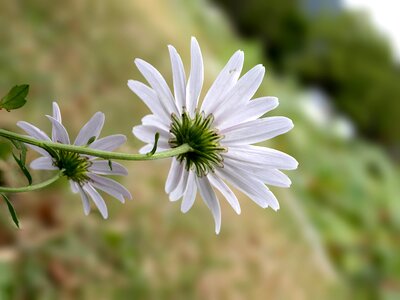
x=221, y=132
x=83, y=171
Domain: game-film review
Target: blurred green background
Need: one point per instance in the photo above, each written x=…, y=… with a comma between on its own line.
x=336, y=235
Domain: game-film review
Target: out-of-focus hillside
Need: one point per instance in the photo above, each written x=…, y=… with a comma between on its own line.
x=336, y=225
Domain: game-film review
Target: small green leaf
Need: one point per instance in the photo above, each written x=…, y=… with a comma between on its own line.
x=15, y=98
x=53, y=153
x=91, y=140
x=11, y=209
x=110, y=164
x=22, y=159
x=22, y=148
x=156, y=137
x=23, y=168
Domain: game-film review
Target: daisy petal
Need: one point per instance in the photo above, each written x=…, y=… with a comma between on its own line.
x=43, y=163
x=103, y=167
x=252, y=111
x=146, y=149
x=209, y=197
x=108, y=143
x=59, y=133
x=33, y=131
x=179, y=77
x=112, y=184
x=177, y=193
x=85, y=201
x=264, y=174
x=240, y=94
x=146, y=133
x=74, y=186
x=97, y=199
x=157, y=82
x=261, y=156
x=155, y=121
x=256, y=131
x=225, y=191
x=38, y=150
x=252, y=187
x=112, y=192
x=150, y=98
x=174, y=175
x=274, y=177
x=56, y=112
x=195, y=82
x=91, y=128
x=190, y=193
x=224, y=82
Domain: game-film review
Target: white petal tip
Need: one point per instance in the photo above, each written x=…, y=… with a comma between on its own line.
x=55, y=105
x=138, y=61
x=100, y=114
x=275, y=206
x=274, y=100
x=296, y=164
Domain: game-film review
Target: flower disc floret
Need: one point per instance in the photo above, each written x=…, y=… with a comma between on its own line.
x=204, y=140
x=75, y=167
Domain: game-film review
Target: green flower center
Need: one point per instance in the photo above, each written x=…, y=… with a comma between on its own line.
x=203, y=139
x=74, y=165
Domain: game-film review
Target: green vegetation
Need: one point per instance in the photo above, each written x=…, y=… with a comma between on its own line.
x=339, y=51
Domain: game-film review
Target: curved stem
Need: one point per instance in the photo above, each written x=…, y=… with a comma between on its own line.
x=32, y=187
x=93, y=152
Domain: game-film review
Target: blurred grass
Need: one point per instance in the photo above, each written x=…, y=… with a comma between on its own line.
x=342, y=204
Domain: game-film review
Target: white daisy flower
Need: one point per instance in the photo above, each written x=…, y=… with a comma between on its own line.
x=221, y=132
x=83, y=171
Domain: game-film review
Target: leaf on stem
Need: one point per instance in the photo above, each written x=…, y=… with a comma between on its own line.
x=15, y=98
x=53, y=153
x=11, y=209
x=91, y=140
x=156, y=137
x=22, y=159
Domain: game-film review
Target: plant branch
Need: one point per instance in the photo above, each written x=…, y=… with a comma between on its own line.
x=93, y=152
x=32, y=187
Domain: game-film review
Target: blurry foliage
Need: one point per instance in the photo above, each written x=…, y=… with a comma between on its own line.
x=278, y=24
x=338, y=51
x=80, y=53
x=350, y=190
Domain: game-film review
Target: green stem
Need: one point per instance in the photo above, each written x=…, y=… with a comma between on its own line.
x=93, y=152
x=32, y=187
